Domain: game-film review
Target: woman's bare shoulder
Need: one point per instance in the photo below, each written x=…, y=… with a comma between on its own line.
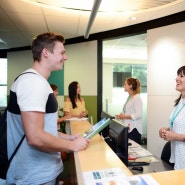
x=67, y=99
x=82, y=99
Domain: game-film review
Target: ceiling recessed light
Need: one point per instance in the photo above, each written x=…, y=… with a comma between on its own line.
x=133, y=18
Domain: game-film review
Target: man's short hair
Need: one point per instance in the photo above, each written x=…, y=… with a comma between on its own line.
x=45, y=40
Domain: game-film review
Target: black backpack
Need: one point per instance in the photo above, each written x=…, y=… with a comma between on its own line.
x=4, y=162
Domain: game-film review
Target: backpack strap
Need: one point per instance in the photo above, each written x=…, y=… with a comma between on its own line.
x=23, y=74
x=15, y=151
x=20, y=142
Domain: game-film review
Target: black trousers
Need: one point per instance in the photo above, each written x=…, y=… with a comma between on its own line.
x=135, y=136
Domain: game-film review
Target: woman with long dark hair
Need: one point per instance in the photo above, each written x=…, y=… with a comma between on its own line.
x=74, y=104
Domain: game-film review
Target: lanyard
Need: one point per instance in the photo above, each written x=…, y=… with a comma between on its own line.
x=176, y=112
x=124, y=107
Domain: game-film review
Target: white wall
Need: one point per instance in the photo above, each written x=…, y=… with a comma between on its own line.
x=166, y=53
x=81, y=66
x=18, y=62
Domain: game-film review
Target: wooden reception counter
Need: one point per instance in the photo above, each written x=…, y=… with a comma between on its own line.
x=99, y=156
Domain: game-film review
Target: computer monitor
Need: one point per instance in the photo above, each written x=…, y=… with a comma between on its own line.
x=118, y=140
x=105, y=131
x=105, y=115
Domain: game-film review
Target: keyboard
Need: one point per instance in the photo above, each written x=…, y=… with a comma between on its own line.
x=138, y=163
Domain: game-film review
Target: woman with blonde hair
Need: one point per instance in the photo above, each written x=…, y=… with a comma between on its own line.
x=131, y=115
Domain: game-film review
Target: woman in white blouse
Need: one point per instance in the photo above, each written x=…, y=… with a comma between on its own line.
x=131, y=115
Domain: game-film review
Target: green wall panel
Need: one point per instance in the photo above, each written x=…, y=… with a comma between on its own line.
x=91, y=106
x=57, y=78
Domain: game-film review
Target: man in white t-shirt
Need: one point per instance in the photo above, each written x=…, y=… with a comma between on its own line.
x=32, y=110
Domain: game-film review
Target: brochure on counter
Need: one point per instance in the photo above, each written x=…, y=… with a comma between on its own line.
x=113, y=176
x=116, y=176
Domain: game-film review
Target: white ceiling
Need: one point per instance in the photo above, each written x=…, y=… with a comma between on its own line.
x=21, y=21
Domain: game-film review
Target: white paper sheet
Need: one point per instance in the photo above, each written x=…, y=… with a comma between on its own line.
x=76, y=119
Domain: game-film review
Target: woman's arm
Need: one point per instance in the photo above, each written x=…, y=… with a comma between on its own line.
x=172, y=136
x=63, y=118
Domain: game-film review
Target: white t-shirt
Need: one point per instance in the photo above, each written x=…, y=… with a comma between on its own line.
x=31, y=166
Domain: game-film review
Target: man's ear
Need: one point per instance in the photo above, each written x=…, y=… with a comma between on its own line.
x=45, y=52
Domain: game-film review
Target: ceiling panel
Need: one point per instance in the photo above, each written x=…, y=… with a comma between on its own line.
x=65, y=22
x=18, y=6
x=20, y=21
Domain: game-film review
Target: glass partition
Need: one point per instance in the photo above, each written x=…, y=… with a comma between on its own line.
x=118, y=66
x=3, y=82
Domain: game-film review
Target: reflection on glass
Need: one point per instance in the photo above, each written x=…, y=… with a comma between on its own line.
x=3, y=71
x=3, y=96
x=3, y=82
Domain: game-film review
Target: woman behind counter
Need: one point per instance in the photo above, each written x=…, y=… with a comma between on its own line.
x=74, y=104
x=175, y=133
x=131, y=115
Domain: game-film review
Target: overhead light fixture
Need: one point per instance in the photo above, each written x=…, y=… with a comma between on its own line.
x=118, y=6
x=133, y=18
x=107, y=6
x=92, y=17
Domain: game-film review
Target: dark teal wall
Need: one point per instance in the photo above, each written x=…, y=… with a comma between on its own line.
x=57, y=78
